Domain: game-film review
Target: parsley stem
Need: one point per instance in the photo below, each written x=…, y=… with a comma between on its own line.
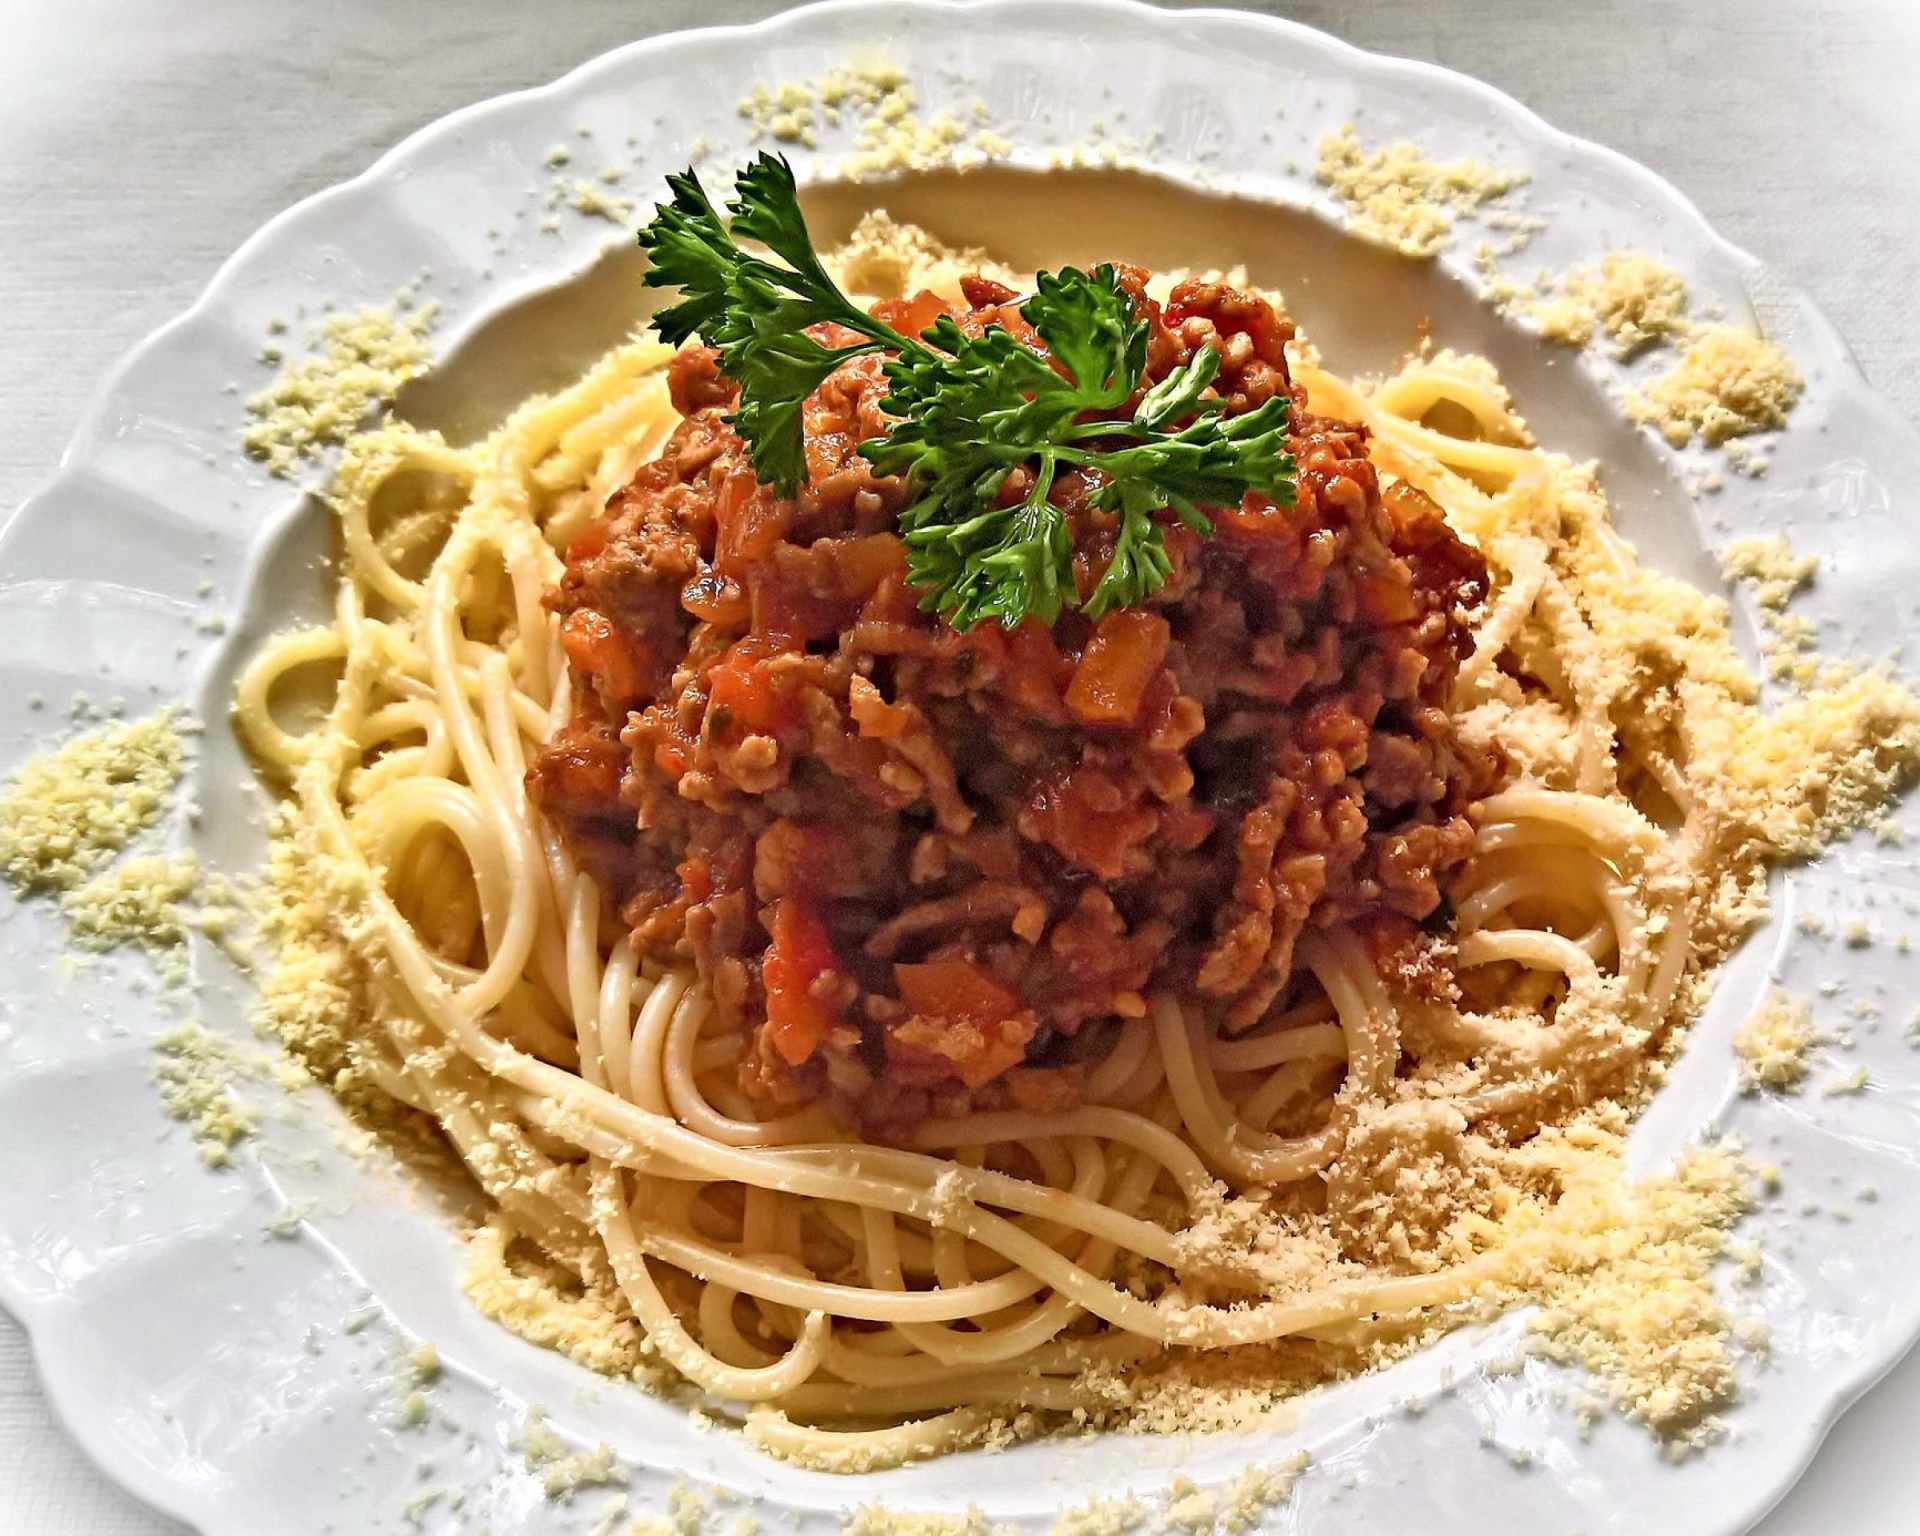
x=1082, y=429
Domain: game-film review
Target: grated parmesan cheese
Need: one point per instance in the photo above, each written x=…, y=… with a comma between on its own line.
x=1101, y=1517
x=423, y=1364
x=1258, y=1489
x=1397, y=196
x=1627, y=294
x=1626, y=1279
x=598, y=202
x=355, y=362
x=564, y=1472
x=1728, y=383
x=1769, y=563
x=878, y=1520
x=194, y=1072
x=883, y=258
x=1229, y=1509
x=876, y=99
x=138, y=901
x=1775, y=574
x=1190, y=1509
x=531, y=1298
x=1854, y=1082
x=1774, y=1041
x=64, y=814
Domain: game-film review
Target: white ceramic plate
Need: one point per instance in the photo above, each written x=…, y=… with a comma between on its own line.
x=247, y=1382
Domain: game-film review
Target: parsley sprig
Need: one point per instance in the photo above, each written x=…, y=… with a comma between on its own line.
x=971, y=409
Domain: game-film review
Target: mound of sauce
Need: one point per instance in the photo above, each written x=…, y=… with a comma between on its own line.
x=916, y=865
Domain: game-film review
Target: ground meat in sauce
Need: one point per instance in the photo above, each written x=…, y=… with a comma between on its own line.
x=916, y=864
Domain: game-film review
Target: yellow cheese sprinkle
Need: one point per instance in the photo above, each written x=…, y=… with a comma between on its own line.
x=1399, y=197
x=357, y=361
x=1728, y=383
x=194, y=1073
x=875, y=98
x=137, y=901
x=1773, y=1042
x=66, y=813
x=1627, y=294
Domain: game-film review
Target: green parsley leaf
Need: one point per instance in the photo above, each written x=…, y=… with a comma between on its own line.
x=755, y=311
x=971, y=410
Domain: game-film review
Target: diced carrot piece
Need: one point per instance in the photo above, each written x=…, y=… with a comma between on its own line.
x=1028, y=665
x=1121, y=659
x=1003, y=1046
x=1256, y=514
x=954, y=989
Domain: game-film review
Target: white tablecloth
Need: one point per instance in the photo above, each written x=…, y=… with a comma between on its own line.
x=142, y=140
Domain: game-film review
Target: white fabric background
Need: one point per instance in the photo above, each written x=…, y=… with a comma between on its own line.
x=142, y=140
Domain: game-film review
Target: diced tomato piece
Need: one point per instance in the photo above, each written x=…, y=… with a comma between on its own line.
x=620, y=664
x=955, y=989
x=911, y=316
x=748, y=521
x=1255, y=514
x=983, y=292
x=741, y=684
x=1086, y=815
x=1121, y=659
x=1031, y=671
x=801, y=952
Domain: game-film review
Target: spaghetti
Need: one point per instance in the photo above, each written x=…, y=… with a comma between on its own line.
x=1344, y=1174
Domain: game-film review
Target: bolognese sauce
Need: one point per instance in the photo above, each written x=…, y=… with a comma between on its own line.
x=914, y=865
